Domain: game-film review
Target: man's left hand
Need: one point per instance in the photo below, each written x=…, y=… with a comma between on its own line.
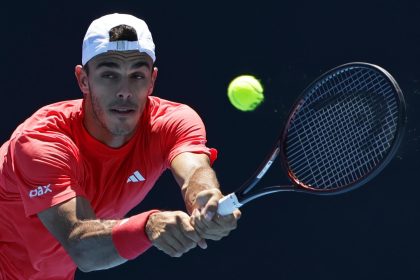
x=205, y=219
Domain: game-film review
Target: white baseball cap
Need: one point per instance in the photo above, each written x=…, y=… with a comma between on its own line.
x=96, y=40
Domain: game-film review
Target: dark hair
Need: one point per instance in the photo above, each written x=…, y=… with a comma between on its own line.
x=119, y=33
x=122, y=33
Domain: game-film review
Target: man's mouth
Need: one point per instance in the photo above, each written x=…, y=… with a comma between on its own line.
x=122, y=111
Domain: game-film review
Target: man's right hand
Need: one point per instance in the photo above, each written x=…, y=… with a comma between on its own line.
x=172, y=233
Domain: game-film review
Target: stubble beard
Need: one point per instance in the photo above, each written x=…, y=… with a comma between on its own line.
x=99, y=115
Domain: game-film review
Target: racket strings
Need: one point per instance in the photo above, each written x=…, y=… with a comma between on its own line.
x=334, y=131
x=336, y=139
x=346, y=143
x=346, y=140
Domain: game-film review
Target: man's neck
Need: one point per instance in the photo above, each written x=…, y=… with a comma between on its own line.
x=104, y=136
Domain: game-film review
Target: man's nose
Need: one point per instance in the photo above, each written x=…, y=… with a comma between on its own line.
x=124, y=94
x=125, y=91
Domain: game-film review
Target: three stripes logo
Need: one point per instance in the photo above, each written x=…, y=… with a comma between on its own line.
x=136, y=177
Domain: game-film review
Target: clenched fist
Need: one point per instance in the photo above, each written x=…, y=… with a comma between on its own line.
x=172, y=233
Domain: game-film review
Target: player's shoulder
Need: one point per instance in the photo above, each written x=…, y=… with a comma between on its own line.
x=49, y=126
x=53, y=116
x=160, y=104
x=163, y=108
x=67, y=108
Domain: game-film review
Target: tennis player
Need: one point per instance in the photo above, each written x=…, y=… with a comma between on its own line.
x=71, y=172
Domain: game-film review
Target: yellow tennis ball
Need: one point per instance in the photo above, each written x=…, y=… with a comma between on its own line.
x=245, y=93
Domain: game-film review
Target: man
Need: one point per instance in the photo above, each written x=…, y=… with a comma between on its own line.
x=72, y=171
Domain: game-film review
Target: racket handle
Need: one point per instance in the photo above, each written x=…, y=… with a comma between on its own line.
x=228, y=204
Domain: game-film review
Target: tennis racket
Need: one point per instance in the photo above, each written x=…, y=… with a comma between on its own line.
x=341, y=132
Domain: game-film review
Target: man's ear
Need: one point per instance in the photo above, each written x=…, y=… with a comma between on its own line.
x=152, y=84
x=82, y=79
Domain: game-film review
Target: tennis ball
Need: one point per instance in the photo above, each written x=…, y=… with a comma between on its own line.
x=245, y=93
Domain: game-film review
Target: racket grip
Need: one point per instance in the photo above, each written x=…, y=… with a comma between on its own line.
x=228, y=204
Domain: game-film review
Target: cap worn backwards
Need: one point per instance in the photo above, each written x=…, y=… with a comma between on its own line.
x=97, y=38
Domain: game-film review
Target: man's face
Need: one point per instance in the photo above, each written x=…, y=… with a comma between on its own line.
x=119, y=84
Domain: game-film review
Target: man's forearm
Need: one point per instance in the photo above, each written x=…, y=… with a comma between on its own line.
x=97, y=244
x=91, y=245
x=202, y=178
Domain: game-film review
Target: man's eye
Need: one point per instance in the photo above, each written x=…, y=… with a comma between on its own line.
x=108, y=76
x=138, y=76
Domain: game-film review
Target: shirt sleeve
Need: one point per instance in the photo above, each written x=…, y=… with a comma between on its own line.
x=185, y=132
x=47, y=170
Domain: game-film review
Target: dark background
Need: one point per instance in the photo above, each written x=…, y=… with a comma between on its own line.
x=371, y=233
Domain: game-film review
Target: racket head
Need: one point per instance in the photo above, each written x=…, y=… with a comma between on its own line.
x=343, y=129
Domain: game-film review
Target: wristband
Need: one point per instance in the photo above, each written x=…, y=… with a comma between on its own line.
x=129, y=236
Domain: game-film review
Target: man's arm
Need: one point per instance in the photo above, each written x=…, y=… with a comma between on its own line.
x=201, y=193
x=91, y=242
x=194, y=174
x=86, y=239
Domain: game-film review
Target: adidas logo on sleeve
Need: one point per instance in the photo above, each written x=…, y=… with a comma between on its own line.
x=135, y=177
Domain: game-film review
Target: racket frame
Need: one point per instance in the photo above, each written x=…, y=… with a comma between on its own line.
x=244, y=194
x=402, y=119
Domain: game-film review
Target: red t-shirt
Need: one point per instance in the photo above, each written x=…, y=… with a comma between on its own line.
x=51, y=158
